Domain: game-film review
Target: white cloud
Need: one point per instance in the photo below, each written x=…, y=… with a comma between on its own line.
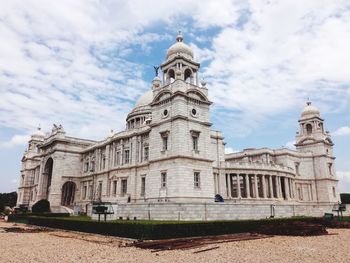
x=290, y=145
x=344, y=181
x=285, y=52
x=342, y=131
x=67, y=62
x=230, y=150
x=15, y=141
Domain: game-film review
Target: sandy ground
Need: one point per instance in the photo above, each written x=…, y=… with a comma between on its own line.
x=65, y=246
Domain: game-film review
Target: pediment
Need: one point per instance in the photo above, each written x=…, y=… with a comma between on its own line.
x=162, y=96
x=195, y=94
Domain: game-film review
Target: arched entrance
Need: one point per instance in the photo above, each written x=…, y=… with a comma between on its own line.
x=47, y=177
x=68, y=193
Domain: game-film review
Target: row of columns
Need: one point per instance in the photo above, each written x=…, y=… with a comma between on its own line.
x=259, y=186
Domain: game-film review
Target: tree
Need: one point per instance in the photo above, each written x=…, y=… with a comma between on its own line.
x=7, y=199
x=345, y=198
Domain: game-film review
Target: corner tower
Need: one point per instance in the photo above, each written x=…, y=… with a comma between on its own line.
x=180, y=139
x=312, y=138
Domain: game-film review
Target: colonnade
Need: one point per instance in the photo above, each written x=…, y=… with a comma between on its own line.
x=243, y=185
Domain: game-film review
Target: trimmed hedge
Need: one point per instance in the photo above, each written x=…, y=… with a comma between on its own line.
x=15, y=217
x=159, y=229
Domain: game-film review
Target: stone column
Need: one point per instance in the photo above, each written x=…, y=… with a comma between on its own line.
x=228, y=185
x=239, y=195
x=256, y=186
x=286, y=187
x=271, y=186
x=247, y=185
x=278, y=191
x=264, y=186
x=107, y=157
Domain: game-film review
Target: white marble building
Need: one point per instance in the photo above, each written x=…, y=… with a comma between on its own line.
x=168, y=156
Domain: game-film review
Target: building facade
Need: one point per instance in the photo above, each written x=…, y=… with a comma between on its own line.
x=169, y=155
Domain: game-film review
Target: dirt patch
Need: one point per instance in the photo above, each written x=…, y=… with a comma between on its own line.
x=102, y=240
x=23, y=230
x=194, y=242
x=297, y=228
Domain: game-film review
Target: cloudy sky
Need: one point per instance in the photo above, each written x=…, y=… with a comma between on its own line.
x=84, y=63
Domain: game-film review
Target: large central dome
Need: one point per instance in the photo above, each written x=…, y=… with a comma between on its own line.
x=179, y=48
x=145, y=99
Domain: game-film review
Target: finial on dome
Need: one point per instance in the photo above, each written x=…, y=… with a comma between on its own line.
x=179, y=37
x=308, y=102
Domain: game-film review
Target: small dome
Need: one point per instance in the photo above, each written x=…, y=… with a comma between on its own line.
x=179, y=48
x=38, y=133
x=310, y=111
x=145, y=99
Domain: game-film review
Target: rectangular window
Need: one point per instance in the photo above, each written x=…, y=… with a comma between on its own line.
x=92, y=169
x=330, y=168
x=165, y=143
x=145, y=153
x=297, y=168
x=126, y=156
x=124, y=187
x=103, y=162
x=86, y=167
x=99, y=190
x=118, y=158
x=195, y=143
x=84, y=192
x=114, y=190
x=197, y=180
x=90, y=192
x=163, y=179
x=334, y=193
x=143, y=186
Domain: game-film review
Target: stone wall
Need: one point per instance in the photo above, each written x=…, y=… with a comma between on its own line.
x=214, y=211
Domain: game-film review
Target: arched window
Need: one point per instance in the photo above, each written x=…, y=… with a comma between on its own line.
x=308, y=129
x=68, y=193
x=171, y=76
x=188, y=75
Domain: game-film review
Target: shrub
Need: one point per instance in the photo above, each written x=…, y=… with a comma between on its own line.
x=42, y=206
x=158, y=229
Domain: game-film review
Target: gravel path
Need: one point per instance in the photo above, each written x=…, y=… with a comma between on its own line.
x=64, y=246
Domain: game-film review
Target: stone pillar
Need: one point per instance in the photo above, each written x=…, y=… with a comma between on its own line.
x=264, y=186
x=278, y=183
x=107, y=154
x=286, y=187
x=256, y=186
x=239, y=194
x=271, y=186
x=247, y=185
x=228, y=185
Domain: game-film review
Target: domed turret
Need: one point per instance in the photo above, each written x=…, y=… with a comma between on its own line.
x=179, y=48
x=310, y=111
x=38, y=134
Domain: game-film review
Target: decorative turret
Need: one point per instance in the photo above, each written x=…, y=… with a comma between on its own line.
x=311, y=134
x=35, y=139
x=179, y=63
